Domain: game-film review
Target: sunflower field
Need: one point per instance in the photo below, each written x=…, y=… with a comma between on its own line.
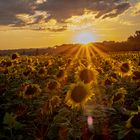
x=58, y=97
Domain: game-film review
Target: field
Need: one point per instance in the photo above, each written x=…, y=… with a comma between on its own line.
x=61, y=97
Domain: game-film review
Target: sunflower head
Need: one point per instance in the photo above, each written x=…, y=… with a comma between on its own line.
x=26, y=73
x=134, y=121
x=53, y=85
x=118, y=97
x=42, y=70
x=55, y=101
x=15, y=56
x=136, y=75
x=125, y=69
x=107, y=82
x=29, y=91
x=86, y=75
x=6, y=71
x=29, y=70
x=78, y=95
x=8, y=63
x=60, y=74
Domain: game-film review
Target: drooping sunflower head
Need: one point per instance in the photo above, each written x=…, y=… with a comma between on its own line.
x=134, y=121
x=118, y=97
x=125, y=69
x=86, y=75
x=78, y=95
x=29, y=91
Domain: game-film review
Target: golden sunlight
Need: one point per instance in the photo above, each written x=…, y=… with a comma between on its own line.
x=84, y=37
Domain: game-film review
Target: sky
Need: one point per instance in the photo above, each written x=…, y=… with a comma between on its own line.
x=46, y=23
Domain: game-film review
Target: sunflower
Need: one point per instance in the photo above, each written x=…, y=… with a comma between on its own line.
x=134, y=121
x=118, y=97
x=136, y=75
x=8, y=63
x=78, y=95
x=15, y=56
x=108, y=80
x=61, y=75
x=2, y=70
x=126, y=68
x=55, y=101
x=41, y=72
x=29, y=91
x=86, y=74
x=53, y=85
x=28, y=71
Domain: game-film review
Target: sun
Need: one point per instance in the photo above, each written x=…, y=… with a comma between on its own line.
x=84, y=37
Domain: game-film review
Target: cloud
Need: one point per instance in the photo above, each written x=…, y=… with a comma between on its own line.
x=10, y=8
x=20, y=13
x=137, y=9
x=119, y=9
x=63, y=9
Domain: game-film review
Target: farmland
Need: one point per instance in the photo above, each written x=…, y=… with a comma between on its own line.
x=82, y=95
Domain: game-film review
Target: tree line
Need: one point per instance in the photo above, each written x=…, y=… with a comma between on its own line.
x=132, y=44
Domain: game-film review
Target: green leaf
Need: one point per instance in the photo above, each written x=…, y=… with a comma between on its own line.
x=9, y=119
x=122, y=134
x=18, y=125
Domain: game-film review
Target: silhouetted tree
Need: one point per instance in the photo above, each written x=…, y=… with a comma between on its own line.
x=135, y=38
x=37, y=52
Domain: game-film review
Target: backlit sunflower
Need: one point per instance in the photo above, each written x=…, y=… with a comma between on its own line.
x=61, y=75
x=41, y=72
x=78, y=95
x=108, y=80
x=125, y=69
x=118, y=97
x=134, y=121
x=53, y=85
x=86, y=74
x=15, y=56
x=28, y=71
x=136, y=75
x=55, y=101
x=29, y=91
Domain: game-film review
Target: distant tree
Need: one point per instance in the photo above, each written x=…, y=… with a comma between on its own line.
x=37, y=51
x=23, y=52
x=135, y=38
